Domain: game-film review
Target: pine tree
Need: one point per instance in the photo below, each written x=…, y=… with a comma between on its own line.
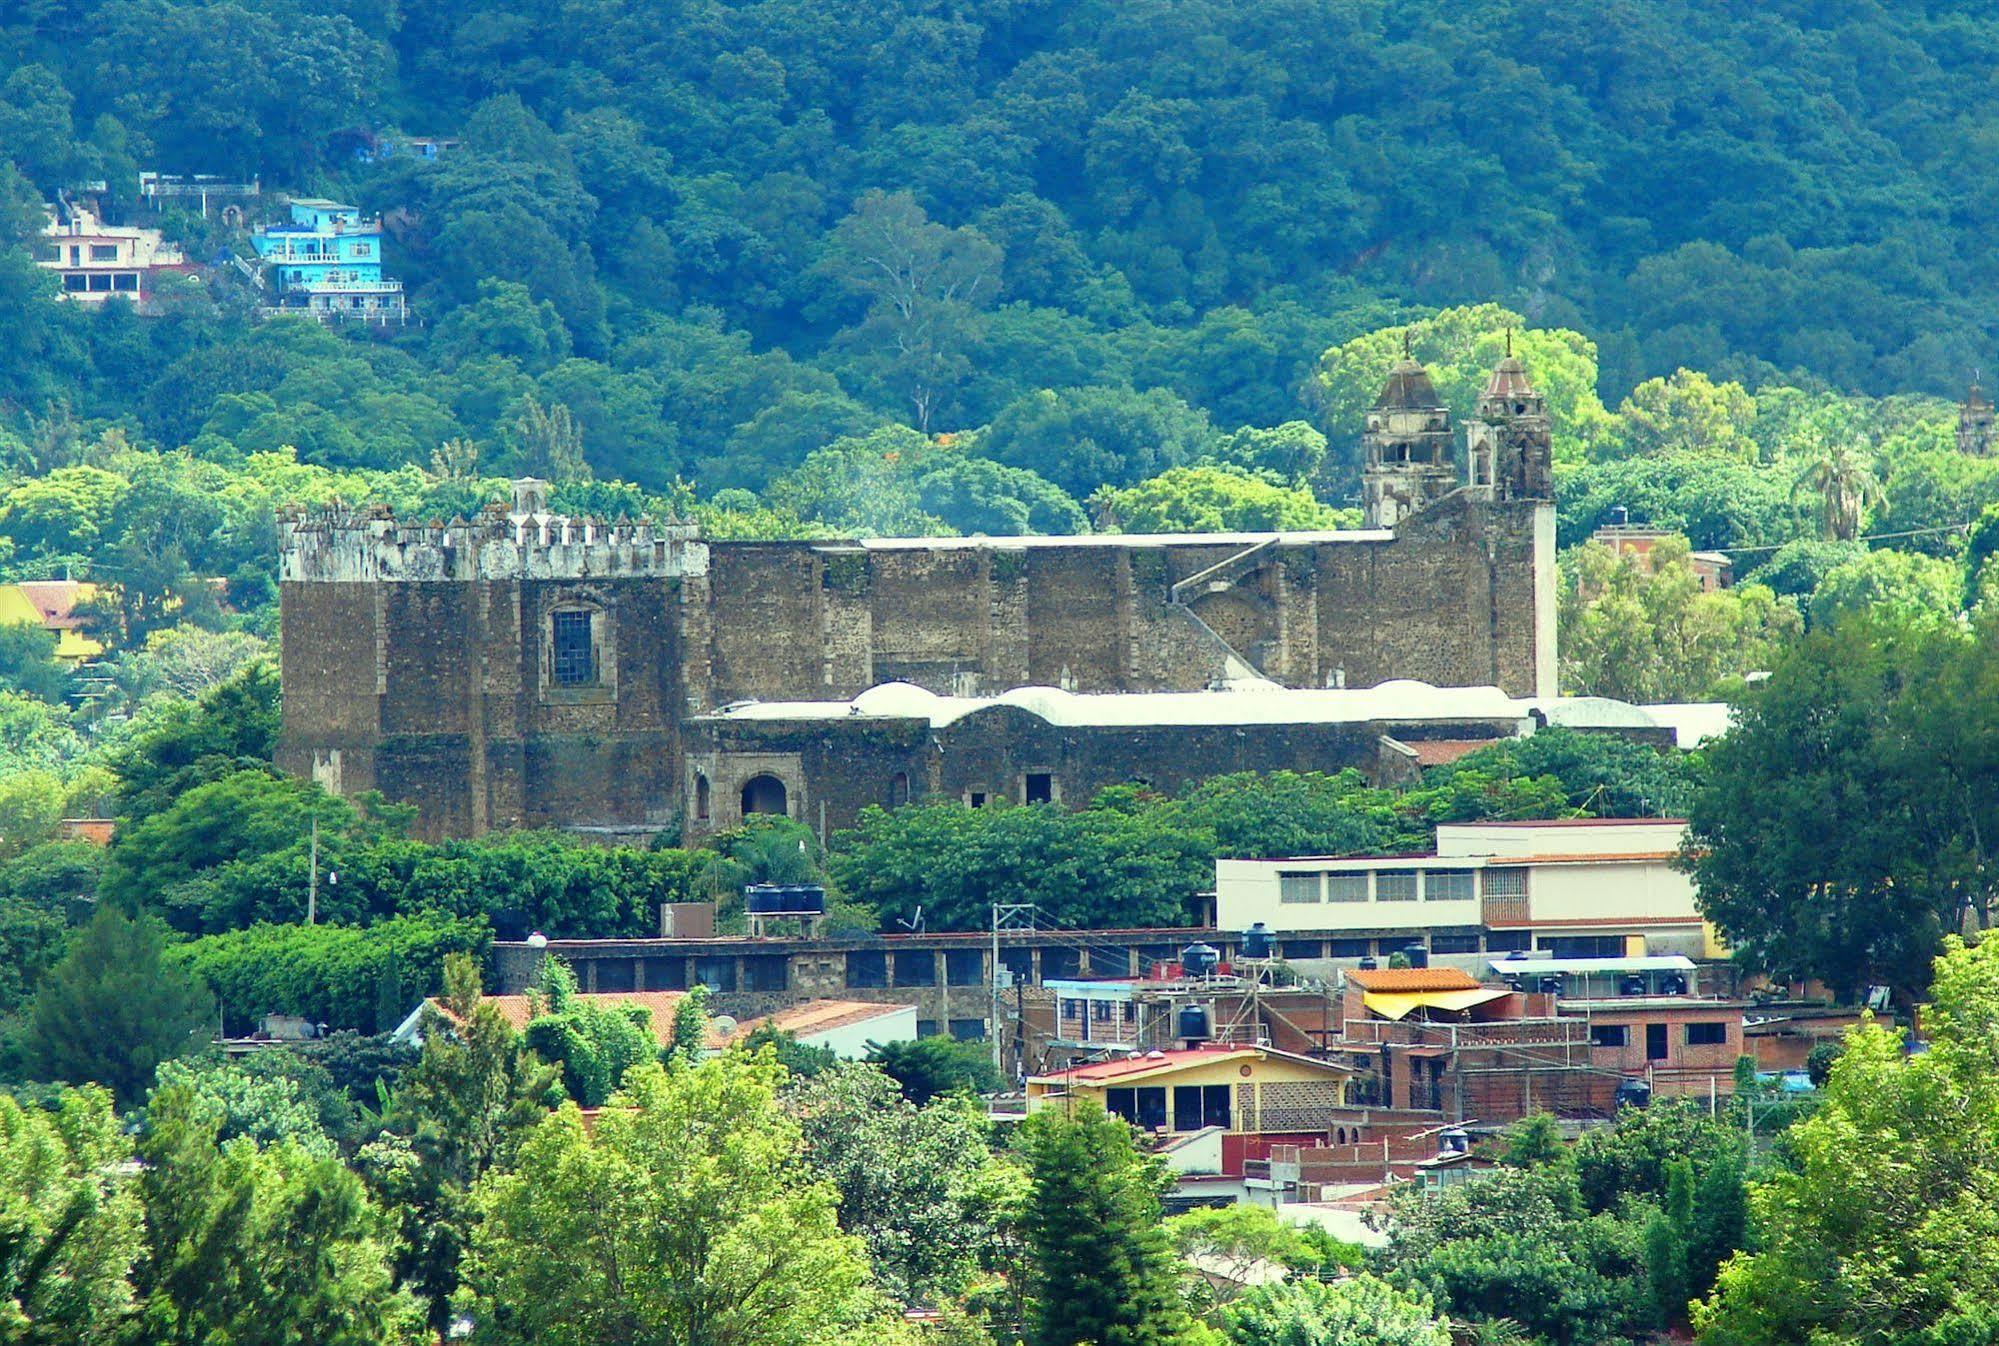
x=1103, y=1267
x=114, y=1009
x=1721, y=1218
x=1668, y=1235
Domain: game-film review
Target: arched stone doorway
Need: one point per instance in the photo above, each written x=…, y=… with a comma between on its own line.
x=764, y=794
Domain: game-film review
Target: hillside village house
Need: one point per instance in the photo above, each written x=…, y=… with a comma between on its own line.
x=98, y=261
x=1582, y=888
x=51, y=605
x=1237, y=1089
x=327, y=262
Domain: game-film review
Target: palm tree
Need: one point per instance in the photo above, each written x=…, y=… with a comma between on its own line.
x=1845, y=485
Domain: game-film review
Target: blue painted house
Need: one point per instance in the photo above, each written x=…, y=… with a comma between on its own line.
x=328, y=262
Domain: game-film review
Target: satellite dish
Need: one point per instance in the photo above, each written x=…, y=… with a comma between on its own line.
x=724, y=1024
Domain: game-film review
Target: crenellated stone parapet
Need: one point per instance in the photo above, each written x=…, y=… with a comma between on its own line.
x=527, y=542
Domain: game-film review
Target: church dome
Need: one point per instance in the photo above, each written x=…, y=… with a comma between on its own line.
x=1408, y=389
x=1509, y=380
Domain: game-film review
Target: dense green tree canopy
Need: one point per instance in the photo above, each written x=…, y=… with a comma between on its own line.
x=685, y=1214
x=1845, y=1252
x=1841, y=830
x=115, y=1008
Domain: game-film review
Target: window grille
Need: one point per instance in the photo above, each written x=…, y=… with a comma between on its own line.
x=575, y=660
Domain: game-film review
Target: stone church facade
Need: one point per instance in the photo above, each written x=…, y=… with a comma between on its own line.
x=530, y=669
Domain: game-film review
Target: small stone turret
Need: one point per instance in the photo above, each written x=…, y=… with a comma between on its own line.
x=1510, y=439
x=1974, y=423
x=1408, y=445
x=340, y=544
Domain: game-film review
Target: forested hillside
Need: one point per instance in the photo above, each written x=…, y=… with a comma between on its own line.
x=1005, y=267
x=1187, y=194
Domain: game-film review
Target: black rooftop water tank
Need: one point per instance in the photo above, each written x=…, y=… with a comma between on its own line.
x=1194, y=1023
x=784, y=899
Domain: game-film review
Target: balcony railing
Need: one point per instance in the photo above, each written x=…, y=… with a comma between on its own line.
x=306, y=257
x=326, y=285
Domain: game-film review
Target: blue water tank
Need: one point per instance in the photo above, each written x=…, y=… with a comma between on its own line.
x=1198, y=960
x=1195, y=1023
x=784, y=899
x=1257, y=941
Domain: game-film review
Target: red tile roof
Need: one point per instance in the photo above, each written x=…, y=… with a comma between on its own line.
x=812, y=1016
x=1097, y=1072
x=1444, y=751
x=1414, y=979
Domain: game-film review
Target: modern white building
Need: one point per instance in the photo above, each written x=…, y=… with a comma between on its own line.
x=99, y=262
x=1580, y=888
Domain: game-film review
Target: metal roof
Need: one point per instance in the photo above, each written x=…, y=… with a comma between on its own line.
x=1658, y=962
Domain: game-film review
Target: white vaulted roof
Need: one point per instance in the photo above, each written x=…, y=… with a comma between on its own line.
x=1249, y=701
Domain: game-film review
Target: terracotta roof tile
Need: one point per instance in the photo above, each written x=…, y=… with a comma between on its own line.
x=1414, y=979
x=812, y=1016
x=1444, y=751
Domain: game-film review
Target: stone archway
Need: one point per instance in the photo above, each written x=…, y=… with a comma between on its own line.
x=765, y=794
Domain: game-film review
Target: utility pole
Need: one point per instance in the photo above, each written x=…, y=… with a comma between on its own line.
x=1005, y=917
x=312, y=884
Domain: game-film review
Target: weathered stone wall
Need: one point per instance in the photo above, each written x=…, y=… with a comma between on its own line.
x=416, y=661
x=833, y=767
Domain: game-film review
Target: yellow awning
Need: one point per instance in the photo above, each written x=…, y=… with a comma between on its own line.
x=1398, y=1004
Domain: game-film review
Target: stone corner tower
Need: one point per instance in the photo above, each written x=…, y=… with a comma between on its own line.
x=1975, y=423
x=1410, y=451
x=1510, y=438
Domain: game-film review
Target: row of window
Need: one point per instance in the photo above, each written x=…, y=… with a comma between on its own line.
x=1710, y=1034
x=1313, y=887
x=100, y=282
x=964, y=1030
x=1440, y=941
x=1194, y=1106
x=872, y=969
x=1102, y=1013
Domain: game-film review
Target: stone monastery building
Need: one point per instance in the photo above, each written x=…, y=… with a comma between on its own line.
x=532, y=669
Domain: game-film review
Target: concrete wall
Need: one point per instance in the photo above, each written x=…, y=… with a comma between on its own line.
x=851, y=1042
x=1247, y=891
x=1597, y=892
x=1584, y=836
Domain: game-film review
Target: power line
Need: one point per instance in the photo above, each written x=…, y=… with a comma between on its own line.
x=1871, y=537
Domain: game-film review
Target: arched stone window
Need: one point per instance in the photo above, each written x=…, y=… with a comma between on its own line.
x=764, y=794
x=702, y=802
x=898, y=789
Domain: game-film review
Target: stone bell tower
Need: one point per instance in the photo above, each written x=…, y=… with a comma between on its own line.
x=1510, y=438
x=1408, y=446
